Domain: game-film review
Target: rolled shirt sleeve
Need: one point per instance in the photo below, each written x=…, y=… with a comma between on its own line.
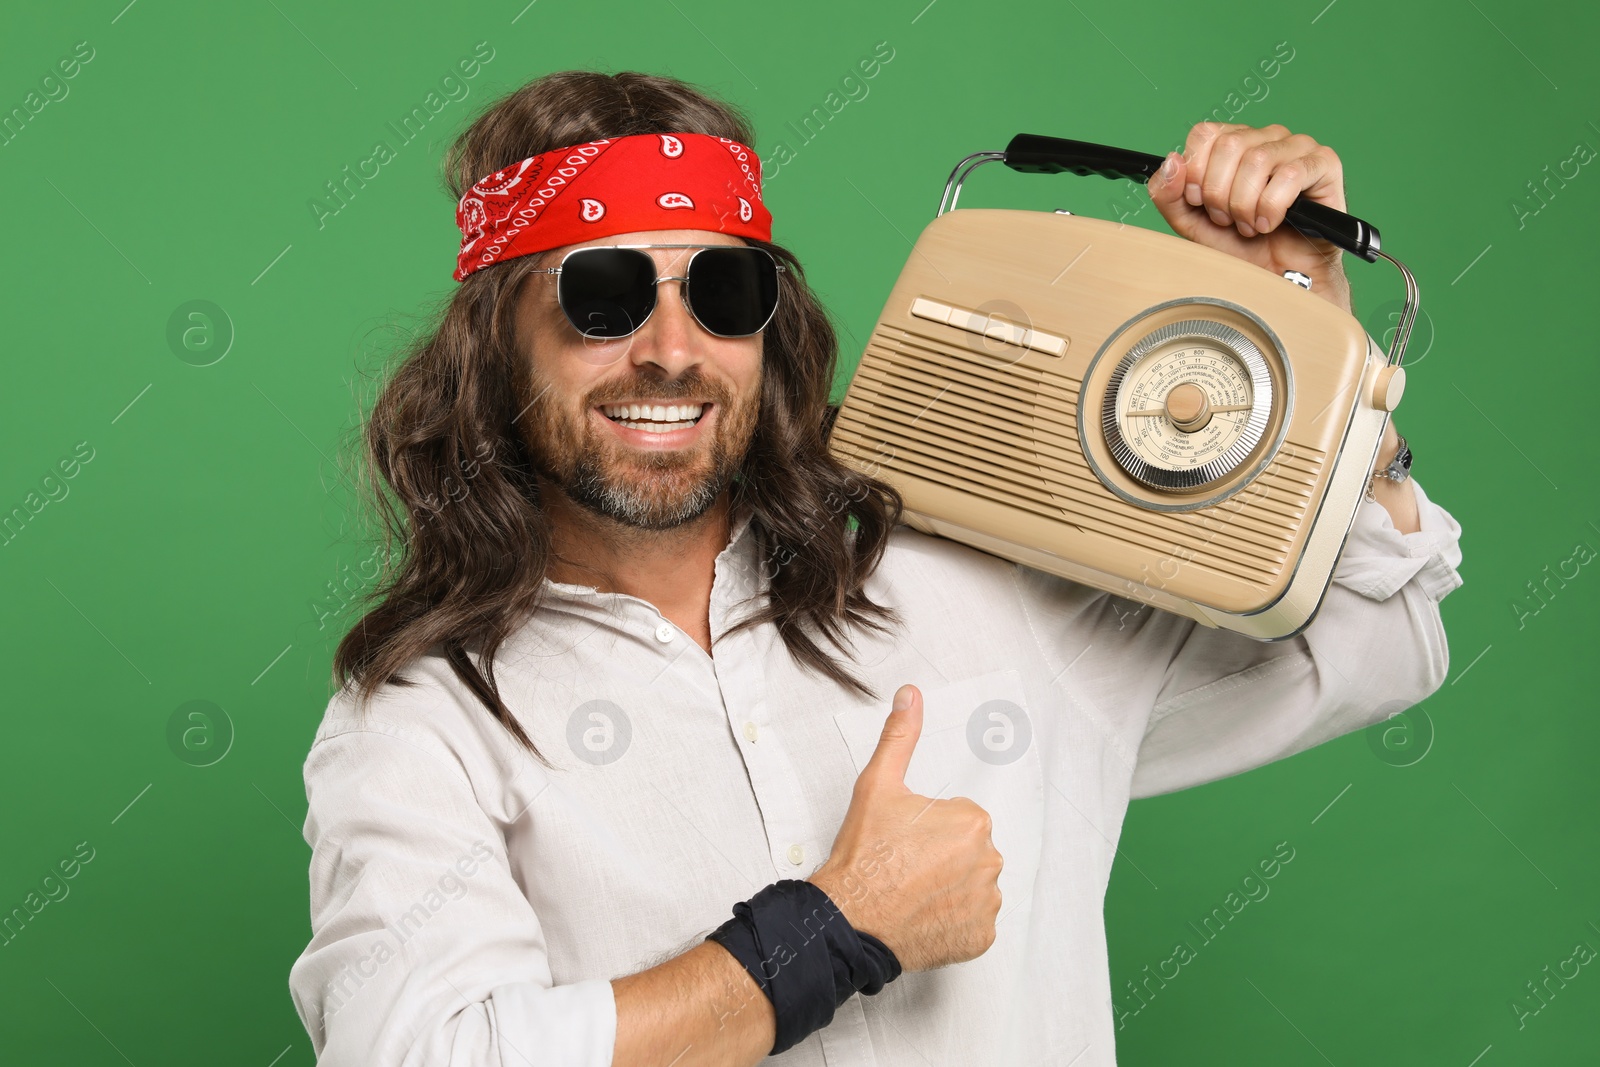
x=1377, y=645
x=424, y=948
x=1378, y=559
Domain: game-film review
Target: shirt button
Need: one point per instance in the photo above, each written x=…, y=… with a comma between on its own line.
x=750, y=732
x=664, y=632
x=796, y=854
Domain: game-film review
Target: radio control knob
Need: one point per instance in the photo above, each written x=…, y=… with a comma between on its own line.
x=1388, y=387
x=1188, y=407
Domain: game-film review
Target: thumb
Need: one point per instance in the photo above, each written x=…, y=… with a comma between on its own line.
x=901, y=730
x=1166, y=193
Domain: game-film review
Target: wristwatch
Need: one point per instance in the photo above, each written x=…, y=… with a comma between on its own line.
x=1399, y=468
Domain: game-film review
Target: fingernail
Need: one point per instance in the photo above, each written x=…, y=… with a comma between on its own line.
x=1219, y=217
x=1245, y=230
x=1191, y=193
x=1169, y=167
x=1262, y=225
x=902, y=698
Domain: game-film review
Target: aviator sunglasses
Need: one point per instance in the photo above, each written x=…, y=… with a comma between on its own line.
x=609, y=291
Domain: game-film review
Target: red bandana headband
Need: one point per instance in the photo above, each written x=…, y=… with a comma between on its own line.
x=646, y=181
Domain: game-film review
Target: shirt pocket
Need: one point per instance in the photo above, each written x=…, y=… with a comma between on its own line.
x=978, y=741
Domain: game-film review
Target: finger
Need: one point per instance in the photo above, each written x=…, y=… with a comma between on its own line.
x=1317, y=176
x=1256, y=168
x=1216, y=184
x=1288, y=181
x=901, y=731
x=1196, y=150
x=1166, y=187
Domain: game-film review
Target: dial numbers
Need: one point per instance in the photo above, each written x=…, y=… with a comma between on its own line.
x=1186, y=404
x=1149, y=427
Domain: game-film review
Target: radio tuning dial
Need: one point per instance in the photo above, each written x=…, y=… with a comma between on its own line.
x=1186, y=404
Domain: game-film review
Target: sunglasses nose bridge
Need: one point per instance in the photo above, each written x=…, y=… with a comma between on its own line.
x=683, y=290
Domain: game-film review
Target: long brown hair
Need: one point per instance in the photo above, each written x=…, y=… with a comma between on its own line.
x=462, y=500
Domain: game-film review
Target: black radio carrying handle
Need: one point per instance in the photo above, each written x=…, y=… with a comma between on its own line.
x=1034, y=153
x=1037, y=154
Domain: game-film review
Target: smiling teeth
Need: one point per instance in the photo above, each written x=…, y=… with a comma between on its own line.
x=674, y=413
x=655, y=427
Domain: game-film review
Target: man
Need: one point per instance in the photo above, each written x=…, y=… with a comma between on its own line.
x=615, y=720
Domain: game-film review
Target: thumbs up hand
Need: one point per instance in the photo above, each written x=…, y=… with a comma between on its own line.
x=921, y=875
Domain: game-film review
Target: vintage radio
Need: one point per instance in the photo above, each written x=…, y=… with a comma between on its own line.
x=1126, y=408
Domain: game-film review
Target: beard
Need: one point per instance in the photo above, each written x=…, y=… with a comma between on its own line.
x=644, y=489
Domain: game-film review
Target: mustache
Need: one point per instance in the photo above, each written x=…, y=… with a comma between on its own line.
x=697, y=389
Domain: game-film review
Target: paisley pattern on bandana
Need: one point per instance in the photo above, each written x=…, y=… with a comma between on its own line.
x=647, y=181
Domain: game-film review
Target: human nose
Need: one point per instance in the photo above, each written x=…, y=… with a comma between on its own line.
x=671, y=336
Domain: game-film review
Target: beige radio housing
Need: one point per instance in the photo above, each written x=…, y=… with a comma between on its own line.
x=969, y=393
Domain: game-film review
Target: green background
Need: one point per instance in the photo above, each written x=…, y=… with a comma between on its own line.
x=193, y=554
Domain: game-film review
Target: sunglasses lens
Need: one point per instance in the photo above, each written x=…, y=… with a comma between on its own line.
x=607, y=292
x=733, y=291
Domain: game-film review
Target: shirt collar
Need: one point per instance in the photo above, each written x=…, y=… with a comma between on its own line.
x=736, y=573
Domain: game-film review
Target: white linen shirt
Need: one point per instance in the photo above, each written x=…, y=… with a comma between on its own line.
x=469, y=906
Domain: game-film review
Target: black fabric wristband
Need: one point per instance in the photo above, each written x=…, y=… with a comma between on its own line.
x=805, y=956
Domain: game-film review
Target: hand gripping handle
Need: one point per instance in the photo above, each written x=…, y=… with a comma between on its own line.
x=1036, y=154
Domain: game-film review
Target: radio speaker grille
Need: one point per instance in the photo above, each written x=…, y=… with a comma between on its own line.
x=1010, y=435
